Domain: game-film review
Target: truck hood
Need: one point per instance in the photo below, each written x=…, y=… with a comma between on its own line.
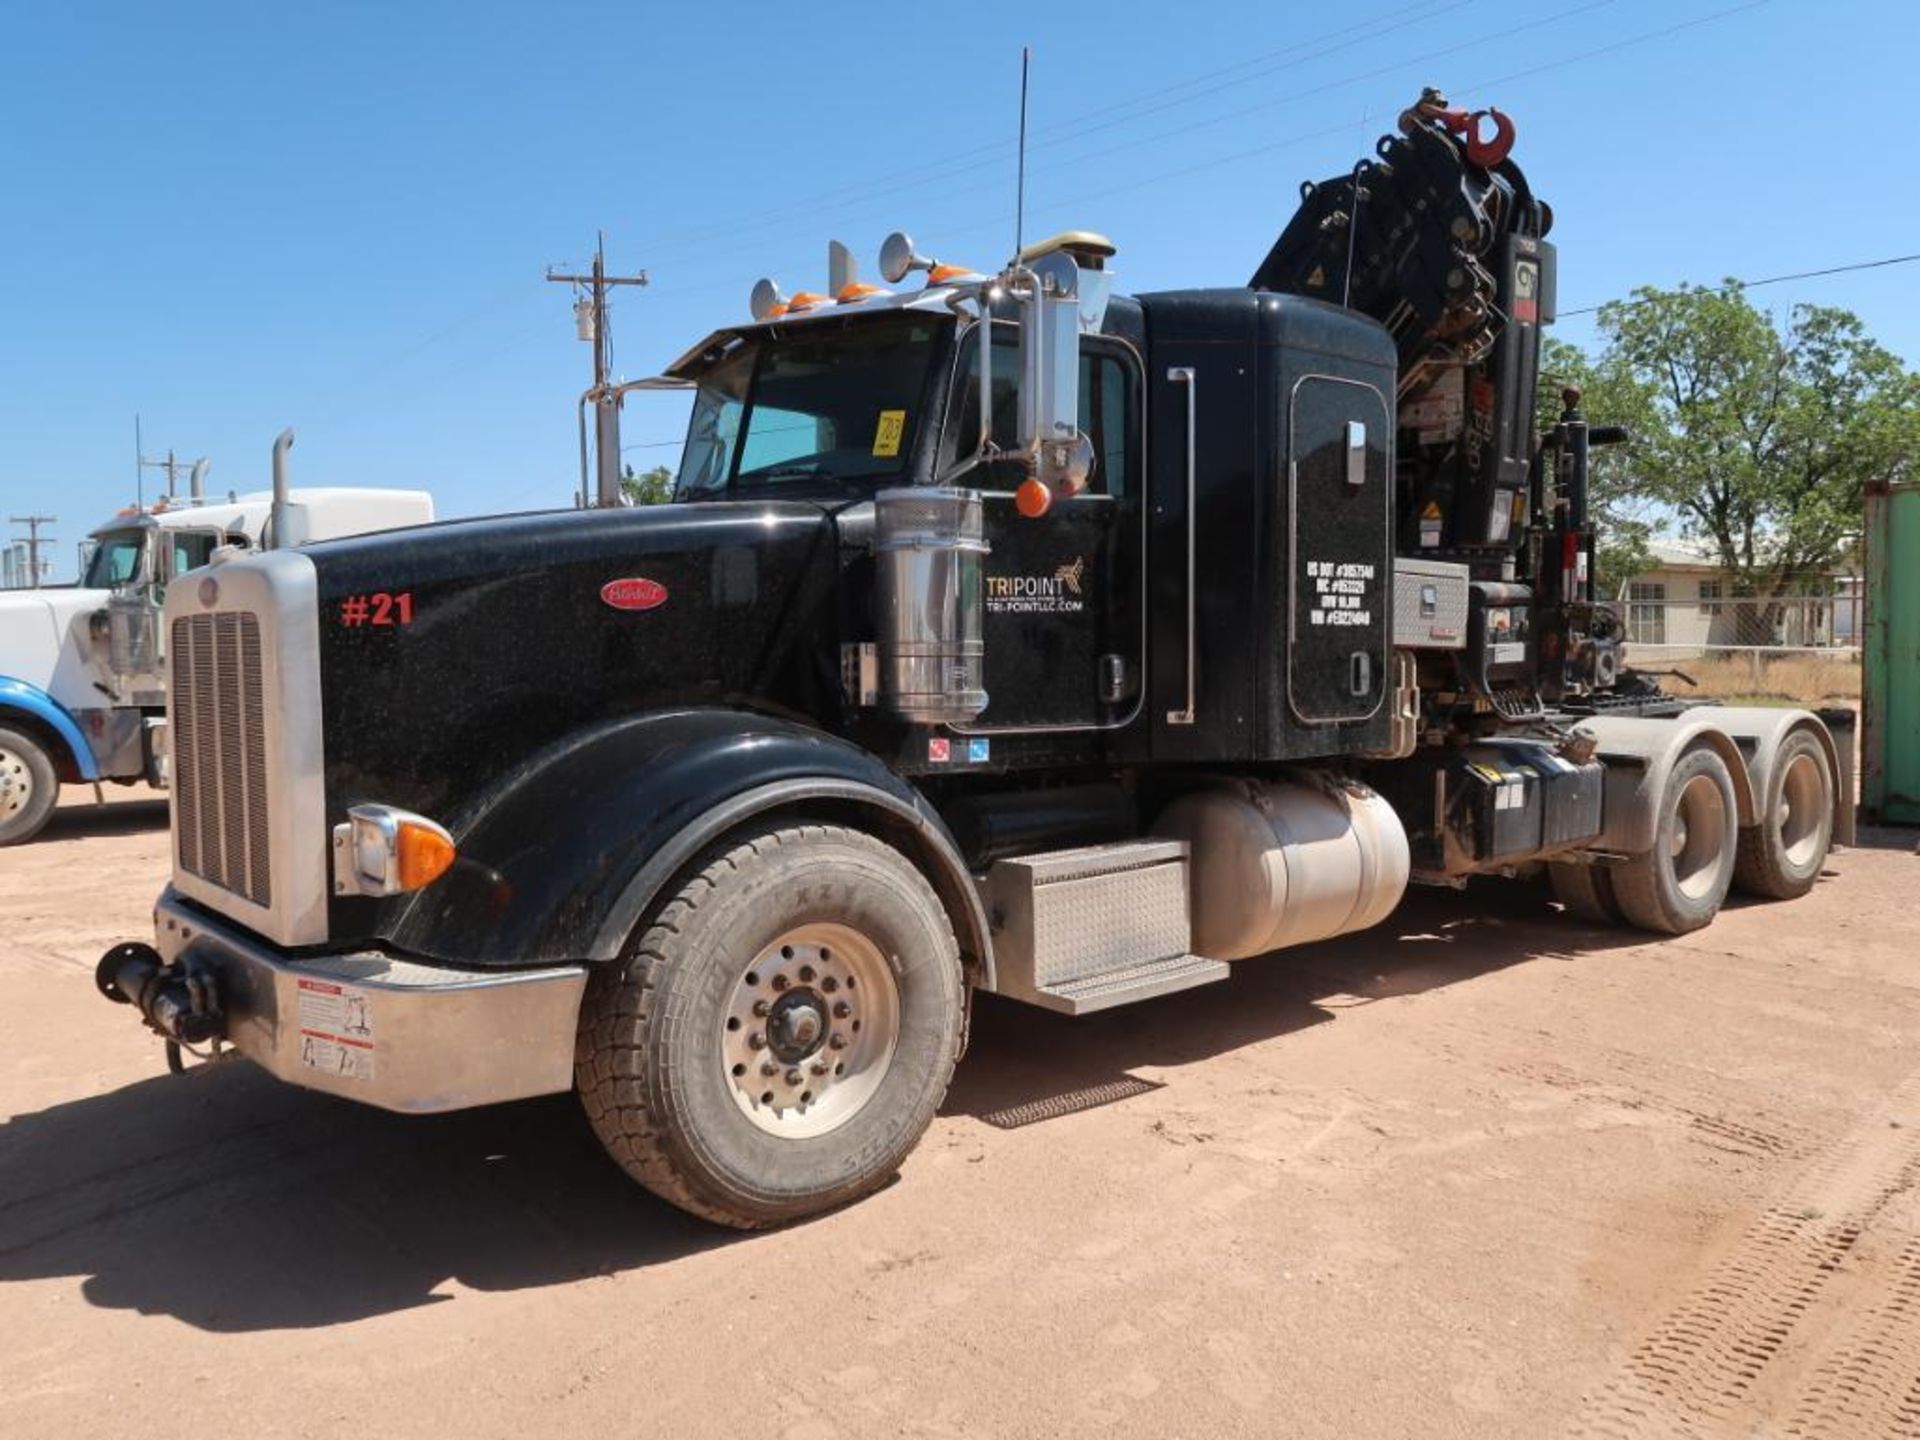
x=45, y=643
x=453, y=655
x=496, y=636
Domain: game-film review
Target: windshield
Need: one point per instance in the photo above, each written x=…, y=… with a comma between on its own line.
x=831, y=403
x=115, y=560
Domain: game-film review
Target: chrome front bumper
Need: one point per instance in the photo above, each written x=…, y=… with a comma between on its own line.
x=393, y=1033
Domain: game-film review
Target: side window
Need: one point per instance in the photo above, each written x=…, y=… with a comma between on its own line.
x=964, y=433
x=1106, y=415
x=191, y=551
x=714, y=426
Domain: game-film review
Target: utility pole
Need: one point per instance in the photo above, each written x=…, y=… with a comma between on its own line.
x=35, y=574
x=141, y=463
x=169, y=465
x=591, y=313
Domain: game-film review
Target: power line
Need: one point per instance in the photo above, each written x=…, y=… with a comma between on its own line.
x=778, y=220
x=1443, y=53
x=1377, y=27
x=1752, y=284
x=1304, y=136
x=1290, y=141
x=939, y=171
x=783, y=219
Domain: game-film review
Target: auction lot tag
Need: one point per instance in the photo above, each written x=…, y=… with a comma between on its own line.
x=886, y=435
x=336, y=1029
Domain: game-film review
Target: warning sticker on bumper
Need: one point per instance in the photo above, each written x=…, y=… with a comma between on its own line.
x=336, y=1029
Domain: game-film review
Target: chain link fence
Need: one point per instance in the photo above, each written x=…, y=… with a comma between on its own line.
x=1802, y=649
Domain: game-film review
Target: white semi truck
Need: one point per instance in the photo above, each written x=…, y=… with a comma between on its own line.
x=82, y=667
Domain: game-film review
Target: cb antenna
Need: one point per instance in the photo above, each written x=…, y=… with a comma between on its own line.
x=1020, y=186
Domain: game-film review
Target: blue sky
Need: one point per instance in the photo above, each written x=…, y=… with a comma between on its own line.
x=235, y=217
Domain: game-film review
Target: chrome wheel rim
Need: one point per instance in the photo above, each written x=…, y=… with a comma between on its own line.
x=16, y=783
x=810, y=1030
x=1801, y=816
x=1699, y=837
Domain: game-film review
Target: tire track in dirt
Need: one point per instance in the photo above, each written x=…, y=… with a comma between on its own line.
x=1765, y=1333
x=1870, y=1383
x=1723, y=1122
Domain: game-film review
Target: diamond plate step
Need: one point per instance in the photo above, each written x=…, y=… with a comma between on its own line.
x=1144, y=981
x=1082, y=930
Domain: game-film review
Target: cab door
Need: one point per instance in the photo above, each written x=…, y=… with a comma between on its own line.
x=1062, y=593
x=1339, y=497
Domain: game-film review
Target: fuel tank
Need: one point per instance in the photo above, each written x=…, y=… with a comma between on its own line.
x=1282, y=863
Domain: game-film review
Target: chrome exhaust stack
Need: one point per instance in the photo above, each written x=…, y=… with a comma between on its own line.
x=929, y=546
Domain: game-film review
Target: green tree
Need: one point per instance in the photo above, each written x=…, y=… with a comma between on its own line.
x=1756, y=437
x=647, y=487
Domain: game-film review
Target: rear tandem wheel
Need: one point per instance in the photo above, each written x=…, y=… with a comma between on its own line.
x=1781, y=856
x=1679, y=884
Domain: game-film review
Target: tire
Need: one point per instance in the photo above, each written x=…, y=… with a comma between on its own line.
x=1679, y=884
x=29, y=786
x=1586, y=891
x=845, y=949
x=1781, y=857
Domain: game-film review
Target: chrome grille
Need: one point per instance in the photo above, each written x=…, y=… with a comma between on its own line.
x=219, y=737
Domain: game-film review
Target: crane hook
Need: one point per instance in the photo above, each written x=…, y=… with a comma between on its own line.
x=1486, y=153
x=1466, y=124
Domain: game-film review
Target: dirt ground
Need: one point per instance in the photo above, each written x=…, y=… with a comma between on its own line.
x=1484, y=1172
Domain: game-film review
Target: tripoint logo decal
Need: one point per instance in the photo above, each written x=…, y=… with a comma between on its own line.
x=1057, y=594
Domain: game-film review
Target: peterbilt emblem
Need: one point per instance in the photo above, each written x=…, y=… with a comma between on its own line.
x=209, y=592
x=636, y=593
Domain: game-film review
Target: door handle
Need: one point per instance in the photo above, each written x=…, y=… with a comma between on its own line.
x=1183, y=375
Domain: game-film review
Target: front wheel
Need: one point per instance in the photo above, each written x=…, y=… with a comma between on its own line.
x=781, y=1031
x=29, y=786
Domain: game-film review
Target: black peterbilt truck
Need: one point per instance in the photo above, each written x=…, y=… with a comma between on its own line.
x=1007, y=634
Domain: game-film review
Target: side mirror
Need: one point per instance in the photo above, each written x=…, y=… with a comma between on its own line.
x=1059, y=456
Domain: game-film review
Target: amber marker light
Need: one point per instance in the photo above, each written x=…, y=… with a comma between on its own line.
x=385, y=851
x=424, y=853
x=1033, y=499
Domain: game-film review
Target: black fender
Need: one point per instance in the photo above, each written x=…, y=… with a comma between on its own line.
x=566, y=855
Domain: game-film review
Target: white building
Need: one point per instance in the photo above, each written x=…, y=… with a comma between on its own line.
x=1685, y=605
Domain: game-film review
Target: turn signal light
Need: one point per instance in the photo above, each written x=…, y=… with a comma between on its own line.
x=423, y=853
x=385, y=851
